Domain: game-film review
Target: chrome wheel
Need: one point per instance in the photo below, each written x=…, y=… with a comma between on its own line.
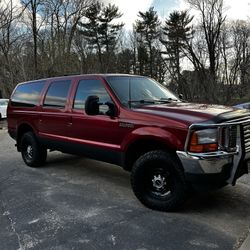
x=29, y=152
x=159, y=182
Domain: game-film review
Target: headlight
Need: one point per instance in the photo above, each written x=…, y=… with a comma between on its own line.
x=205, y=140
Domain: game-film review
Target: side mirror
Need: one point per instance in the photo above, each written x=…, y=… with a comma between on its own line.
x=112, y=109
x=92, y=105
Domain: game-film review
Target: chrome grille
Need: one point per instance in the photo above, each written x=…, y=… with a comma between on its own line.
x=246, y=129
x=245, y=122
x=228, y=137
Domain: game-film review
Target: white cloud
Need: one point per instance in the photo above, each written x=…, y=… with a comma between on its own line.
x=237, y=9
x=234, y=9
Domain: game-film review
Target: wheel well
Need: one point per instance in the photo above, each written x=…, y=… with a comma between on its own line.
x=141, y=147
x=22, y=129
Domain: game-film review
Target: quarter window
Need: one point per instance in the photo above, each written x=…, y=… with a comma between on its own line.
x=87, y=88
x=57, y=94
x=27, y=94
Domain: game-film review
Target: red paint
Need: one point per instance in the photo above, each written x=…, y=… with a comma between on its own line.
x=167, y=123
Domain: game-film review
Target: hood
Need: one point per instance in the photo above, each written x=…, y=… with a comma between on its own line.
x=189, y=113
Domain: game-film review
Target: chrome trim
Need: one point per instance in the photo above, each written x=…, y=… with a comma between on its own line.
x=236, y=159
x=214, y=162
x=216, y=154
x=194, y=127
x=197, y=165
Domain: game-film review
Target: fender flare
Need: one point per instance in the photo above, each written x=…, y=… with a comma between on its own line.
x=152, y=133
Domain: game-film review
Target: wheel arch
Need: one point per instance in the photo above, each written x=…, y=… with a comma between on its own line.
x=145, y=139
x=143, y=145
x=21, y=130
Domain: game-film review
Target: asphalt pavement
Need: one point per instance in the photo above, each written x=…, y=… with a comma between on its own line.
x=77, y=203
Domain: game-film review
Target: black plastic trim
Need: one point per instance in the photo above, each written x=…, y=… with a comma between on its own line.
x=92, y=152
x=207, y=182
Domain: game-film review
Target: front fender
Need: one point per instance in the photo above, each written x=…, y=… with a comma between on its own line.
x=153, y=133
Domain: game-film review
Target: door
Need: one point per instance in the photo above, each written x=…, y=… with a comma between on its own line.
x=54, y=120
x=93, y=130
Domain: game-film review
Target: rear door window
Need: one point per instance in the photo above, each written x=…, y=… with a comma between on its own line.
x=27, y=94
x=57, y=94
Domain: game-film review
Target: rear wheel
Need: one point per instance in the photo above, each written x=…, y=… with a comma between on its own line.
x=158, y=181
x=33, y=154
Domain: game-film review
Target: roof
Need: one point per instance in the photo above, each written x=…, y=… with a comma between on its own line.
x=83, y=75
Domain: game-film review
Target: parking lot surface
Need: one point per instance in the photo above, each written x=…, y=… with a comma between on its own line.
x=77, y=203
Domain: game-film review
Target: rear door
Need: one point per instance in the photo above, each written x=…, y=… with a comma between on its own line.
x=55, y=118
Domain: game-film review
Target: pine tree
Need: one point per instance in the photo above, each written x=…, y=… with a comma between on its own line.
x=148, y=28
x=177, y=31
x=101, y=32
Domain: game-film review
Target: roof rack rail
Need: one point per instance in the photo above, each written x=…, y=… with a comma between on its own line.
x=72, y=74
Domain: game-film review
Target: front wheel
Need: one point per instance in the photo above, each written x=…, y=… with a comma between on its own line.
x=33, y=154
x=158, y=181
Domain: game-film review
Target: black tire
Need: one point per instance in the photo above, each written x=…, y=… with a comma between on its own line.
x=33, y=154
x=158, y=181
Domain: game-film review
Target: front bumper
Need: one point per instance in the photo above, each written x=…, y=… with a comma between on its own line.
x=216, y=169
x=203, y=165
x=208, y=174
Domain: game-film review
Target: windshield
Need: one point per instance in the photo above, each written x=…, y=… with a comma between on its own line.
x=134, y=91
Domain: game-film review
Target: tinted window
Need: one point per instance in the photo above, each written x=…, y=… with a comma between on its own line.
x=57, y=94
x=87, y=88
x=27, y=94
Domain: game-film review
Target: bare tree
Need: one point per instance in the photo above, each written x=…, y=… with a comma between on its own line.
x=212, y=20
x=33, y=9
x=62, y=21
x=9, y=35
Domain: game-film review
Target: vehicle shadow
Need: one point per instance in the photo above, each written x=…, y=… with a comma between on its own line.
x=228, y=200
x=225, y=201
x=78, y=166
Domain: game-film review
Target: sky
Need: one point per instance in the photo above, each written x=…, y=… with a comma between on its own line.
x=235, y=9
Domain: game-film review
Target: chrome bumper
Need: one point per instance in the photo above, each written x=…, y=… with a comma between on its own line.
x=201, y=165
x=215, y=162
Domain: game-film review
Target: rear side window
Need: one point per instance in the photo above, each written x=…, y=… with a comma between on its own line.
x=27, y=94
x=56, y=96
x=87, y=88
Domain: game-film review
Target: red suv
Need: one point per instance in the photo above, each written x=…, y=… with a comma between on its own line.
x=132, y=121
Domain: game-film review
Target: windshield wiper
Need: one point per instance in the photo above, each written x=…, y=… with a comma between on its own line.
x=153, y=101
x=169, y=99
x=142, y=101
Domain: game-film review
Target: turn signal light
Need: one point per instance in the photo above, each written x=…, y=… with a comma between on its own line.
x=196, y=147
